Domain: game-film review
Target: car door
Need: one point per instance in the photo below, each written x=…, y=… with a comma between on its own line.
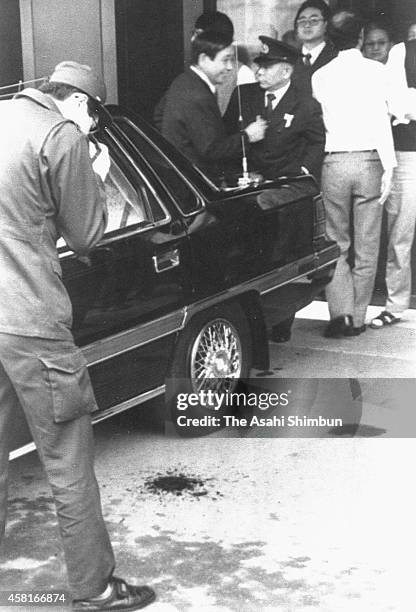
x=128, y=294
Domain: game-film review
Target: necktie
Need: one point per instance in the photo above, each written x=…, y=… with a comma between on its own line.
x=269, y=106
x=307, y=59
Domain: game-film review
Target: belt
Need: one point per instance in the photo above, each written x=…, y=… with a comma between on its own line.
x=343, y=152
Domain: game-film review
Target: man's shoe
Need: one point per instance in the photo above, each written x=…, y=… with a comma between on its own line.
x=278, y=335
x=355, y=331
x=124, y=597
x=337, y=327
x=282, y=331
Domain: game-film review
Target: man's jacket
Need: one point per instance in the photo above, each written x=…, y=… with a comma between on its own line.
x=193, y=123
x=295, y=136
x=48, y=189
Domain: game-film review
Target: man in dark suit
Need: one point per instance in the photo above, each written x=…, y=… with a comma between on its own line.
x=311, y=29
x=192, y=119
x=295, y=138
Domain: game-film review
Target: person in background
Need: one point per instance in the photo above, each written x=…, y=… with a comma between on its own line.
x=401, y=204
x=357, y=170
x=192, y=120
x=311, y=24
x=377, y=41
x=411, y=32
x=50, y=188
x=291, y=38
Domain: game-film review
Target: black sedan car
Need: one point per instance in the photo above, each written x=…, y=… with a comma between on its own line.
x=189, y=276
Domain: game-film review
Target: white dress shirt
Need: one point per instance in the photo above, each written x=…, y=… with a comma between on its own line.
x=352, y=91
x=245, y=75
x=315, y=52
x=278, y=95
x=204, y=77
x=402, y=99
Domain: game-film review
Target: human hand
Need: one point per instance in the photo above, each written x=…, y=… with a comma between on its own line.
x=256, y=130
x=100, y=159
x=386, y=183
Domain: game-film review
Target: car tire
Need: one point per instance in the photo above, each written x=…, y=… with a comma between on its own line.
x=213, y=352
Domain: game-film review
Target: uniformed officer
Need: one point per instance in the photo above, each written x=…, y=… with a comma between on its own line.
x=49, y=188
x=295, y=137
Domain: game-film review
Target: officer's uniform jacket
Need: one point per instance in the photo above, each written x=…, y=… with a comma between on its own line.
x=295, y=136
x=48, y=189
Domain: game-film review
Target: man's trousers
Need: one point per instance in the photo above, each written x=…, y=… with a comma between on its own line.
x=351, y=184
x=49, y=379
x=401, y=223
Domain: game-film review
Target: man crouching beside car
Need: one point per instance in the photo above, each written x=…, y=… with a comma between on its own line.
x=49, y=188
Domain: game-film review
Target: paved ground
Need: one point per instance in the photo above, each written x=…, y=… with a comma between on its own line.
x=290, y=525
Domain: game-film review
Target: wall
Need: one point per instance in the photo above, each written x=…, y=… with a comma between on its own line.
x=11, y=65
x=150, y=50
x=80, y=30
x=191, y=11
x=254, y=17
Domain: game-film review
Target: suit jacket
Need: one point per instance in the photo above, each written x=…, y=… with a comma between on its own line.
x=302, y=74
x=295, y=136
x=193, y=123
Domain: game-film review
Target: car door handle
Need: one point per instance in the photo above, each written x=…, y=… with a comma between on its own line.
x=166, y=261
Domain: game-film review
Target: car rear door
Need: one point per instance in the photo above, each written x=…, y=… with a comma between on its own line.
x=128, y=294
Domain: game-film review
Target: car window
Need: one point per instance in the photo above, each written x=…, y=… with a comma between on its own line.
x=125, y=205
x=186, y=198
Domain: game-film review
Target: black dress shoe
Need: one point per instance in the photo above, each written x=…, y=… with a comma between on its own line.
x=282, y=331
x=123, y=596
x=279, y=336
x=338, y=327
x=355, y=331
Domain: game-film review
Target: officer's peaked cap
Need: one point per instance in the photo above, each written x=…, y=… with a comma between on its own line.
x=274, y=51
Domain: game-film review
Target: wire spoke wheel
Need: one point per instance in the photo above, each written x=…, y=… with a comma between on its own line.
x=212, y=354
x=216, y=357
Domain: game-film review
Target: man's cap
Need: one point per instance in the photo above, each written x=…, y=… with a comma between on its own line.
x=81, y=77
x=274, y=51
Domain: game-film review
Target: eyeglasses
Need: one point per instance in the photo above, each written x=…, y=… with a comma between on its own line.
x=313, y=21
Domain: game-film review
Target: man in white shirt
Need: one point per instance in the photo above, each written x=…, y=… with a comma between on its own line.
x=357, y=170
x=401, y=204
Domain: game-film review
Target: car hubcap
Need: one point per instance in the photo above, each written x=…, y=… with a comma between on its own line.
x=216, y=357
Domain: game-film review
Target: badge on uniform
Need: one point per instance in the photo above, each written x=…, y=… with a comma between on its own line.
x=288, y=119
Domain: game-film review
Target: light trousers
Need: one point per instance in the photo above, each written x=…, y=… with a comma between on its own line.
x=351, y=184
x=48, y=378
x=401, y=223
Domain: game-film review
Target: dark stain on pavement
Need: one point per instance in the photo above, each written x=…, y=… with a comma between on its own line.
x=297, y=562
x=230, y=580
x=175, y=482
x=230, y=573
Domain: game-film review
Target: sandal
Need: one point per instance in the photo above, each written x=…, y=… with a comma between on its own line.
x=383, y=319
